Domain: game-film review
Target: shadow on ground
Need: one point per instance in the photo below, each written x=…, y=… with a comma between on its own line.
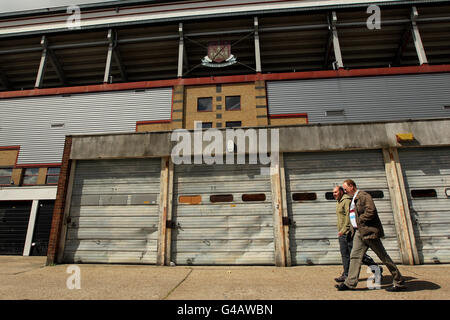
x=412, y=284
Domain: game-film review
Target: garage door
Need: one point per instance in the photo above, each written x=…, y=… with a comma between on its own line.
x=14, y=217
x=426, y=174
x=310, y=179
x=114, y=212
x=223, y=216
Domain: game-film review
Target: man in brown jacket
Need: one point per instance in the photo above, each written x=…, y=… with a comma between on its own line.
x=345, y=235
x=368, y=230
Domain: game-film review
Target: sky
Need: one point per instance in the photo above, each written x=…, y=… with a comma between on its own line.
x=21, y=5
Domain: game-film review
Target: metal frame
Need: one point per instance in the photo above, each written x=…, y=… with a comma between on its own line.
x=47, y=50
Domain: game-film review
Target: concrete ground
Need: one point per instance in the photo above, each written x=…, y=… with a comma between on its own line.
x=29, y=278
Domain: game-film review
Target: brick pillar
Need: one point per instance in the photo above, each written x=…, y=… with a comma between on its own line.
x=178, y=108
x=58, y=211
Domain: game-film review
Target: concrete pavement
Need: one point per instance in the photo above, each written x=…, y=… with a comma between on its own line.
x=29, y=278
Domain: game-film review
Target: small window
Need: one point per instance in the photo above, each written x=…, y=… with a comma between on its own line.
x=203, y=125
x=196, y=199
x=5, y=176
x=52, y=175
x=376, y=194
x=221, y=198
x=233, y=103
x=424, y=193
x=304, y=196
x=30, y=176
x=233, y=124
x=254, y=197
x=204, y=104
x=329, y=196
x=447, y=192
x=335, y=113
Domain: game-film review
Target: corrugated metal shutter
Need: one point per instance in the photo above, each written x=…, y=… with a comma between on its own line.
x=28, y=121
x=379, y=98
x=14, y=218
x=313, y=236
x=425, y=171
x=114, y=212
x=222, y=233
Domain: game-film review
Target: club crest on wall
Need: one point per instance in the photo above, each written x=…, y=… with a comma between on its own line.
x=219, y=55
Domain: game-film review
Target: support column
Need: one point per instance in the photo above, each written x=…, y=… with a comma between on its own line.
x=165, y=212
x=181, y=52
x=279, y=212
x=336, y=46
x=109, y=57
x=43, y=63
x=257, y=47
x=400, y=206
x=416, y=37
x=54, y=244
x=30, y=231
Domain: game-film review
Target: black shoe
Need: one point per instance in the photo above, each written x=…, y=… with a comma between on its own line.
x=396, y=288
x=340, y=279
x=342, y=287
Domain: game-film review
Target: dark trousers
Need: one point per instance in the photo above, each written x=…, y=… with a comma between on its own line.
x=346, y=245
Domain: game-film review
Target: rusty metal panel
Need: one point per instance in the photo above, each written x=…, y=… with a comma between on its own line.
x=429, y=169
x=313, y=234
x=114, y=212
x=222, y=233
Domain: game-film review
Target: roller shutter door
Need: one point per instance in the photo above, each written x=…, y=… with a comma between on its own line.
x=114, y=212
x=14, y=218
x=223, y=216
x=426, y=173
x=309, y=177
x=42, y=226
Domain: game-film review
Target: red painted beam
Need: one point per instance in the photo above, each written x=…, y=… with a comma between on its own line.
x=341, y=73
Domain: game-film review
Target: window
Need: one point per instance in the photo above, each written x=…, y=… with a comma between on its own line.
x=254, y=197
x=232, y=124
x=424, y=193
x=197, y=199
x=204, y=104
x=52, y=175
x=221, y=198
x=329, y=196
x=30, y=176
x=334, y=113
x=376, y=194
x=5, y=176
x=233, y=103
x=304, y=196
x=203, y=125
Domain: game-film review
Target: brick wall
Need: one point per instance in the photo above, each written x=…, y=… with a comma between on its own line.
x=58, y=211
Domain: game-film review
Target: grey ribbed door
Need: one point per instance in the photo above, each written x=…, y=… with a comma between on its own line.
x=235, y=232
x=313, y=235
x=114, y=212
x=426, y=174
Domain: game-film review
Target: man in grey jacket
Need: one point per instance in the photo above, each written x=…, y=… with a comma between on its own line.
x=368, y=231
